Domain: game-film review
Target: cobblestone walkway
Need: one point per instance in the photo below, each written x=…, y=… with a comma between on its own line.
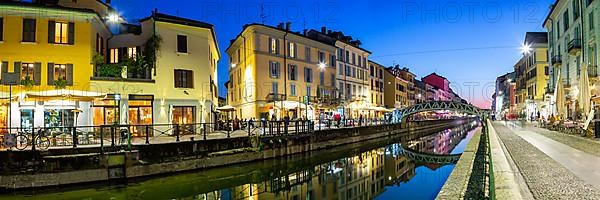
x=545, y=177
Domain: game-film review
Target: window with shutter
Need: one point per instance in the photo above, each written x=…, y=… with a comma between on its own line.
x=28, y=30
x=60, y=31
x=182, y=44
x=27, y=71
x=1, y=29
x=114, y=55
x=184, y=78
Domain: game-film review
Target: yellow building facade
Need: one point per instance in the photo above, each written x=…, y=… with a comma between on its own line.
x=396, y=90
x=41, y=45
x=52, y=59
x=532, y=76
x=273, y=70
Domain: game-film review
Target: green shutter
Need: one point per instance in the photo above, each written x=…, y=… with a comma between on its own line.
x=70, y=74
x=1, y=29
x=51, y=31
x=3, y=70
x=71, y=36
x=37, y=73
x=50, y=73
x=17, y=69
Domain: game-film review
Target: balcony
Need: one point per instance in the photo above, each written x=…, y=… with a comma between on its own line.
x=275, y=97
x=574, y=46
x=593, y=71
x=556, y=60
x=115, y=72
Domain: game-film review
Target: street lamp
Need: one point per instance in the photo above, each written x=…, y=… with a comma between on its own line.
x=525, y=48
x=322, y=66
x=113, y=17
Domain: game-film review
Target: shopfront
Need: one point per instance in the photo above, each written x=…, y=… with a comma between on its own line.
x=106, y=111
x=139, y=113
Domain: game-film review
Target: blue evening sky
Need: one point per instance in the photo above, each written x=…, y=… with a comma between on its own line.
x=469, y=42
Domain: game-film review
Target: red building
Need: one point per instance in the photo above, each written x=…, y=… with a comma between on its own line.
x=437, y=81
x=441, y=85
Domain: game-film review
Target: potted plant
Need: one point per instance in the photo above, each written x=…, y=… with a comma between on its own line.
x=110, y=70
x=60, y=83
x=27, y=82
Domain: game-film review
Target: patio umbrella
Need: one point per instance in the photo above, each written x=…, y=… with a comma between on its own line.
x=226, y=108
x=584, y=91
x=560, y=97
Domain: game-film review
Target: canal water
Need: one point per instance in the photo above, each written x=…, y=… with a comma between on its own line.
x=377, y=171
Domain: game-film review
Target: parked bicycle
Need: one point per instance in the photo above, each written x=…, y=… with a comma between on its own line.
x=24, y=139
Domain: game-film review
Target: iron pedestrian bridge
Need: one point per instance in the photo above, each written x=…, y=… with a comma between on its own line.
x=429, y=158
x=402, y=114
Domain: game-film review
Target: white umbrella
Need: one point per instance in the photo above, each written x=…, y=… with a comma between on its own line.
x=226, y=108
x=584, y=91
x=560, y=96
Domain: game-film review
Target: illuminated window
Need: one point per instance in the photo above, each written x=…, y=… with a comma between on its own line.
x=61, y=32
x=292, y=50
x=132, y=52
x=27, y=71
x=274, y=46
x=114, y=55
x=184, y=115
x=60, y=71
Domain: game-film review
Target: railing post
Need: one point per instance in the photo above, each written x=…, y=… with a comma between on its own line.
x=229, y=128
x=204, y=130
x=270, y=124
x=32, y=138
x=74, y=137
x=177, y=129
x=285, y=126
x=296, y=126
x=101, y=140
x=112, y=135
x=248, y=125
x=147, y=134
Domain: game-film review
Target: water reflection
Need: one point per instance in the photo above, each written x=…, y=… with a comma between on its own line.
x=378, y=171
x=363, y=176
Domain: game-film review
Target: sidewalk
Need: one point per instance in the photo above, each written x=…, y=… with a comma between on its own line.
x=508, y=180
x=543, y=168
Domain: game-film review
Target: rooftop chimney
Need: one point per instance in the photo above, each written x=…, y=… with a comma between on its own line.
x=324, y=30
x=108, y=2
x=280, y=25
x=288, y=26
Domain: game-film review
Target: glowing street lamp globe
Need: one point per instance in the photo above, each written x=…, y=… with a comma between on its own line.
x=322, y=65
x=526, y=48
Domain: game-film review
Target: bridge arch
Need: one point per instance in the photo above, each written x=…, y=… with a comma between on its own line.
x=402, y=114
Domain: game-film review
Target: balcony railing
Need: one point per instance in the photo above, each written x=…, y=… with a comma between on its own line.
x=592, y=71
x=574, y=46
x=556, y=60
x=275, y=97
